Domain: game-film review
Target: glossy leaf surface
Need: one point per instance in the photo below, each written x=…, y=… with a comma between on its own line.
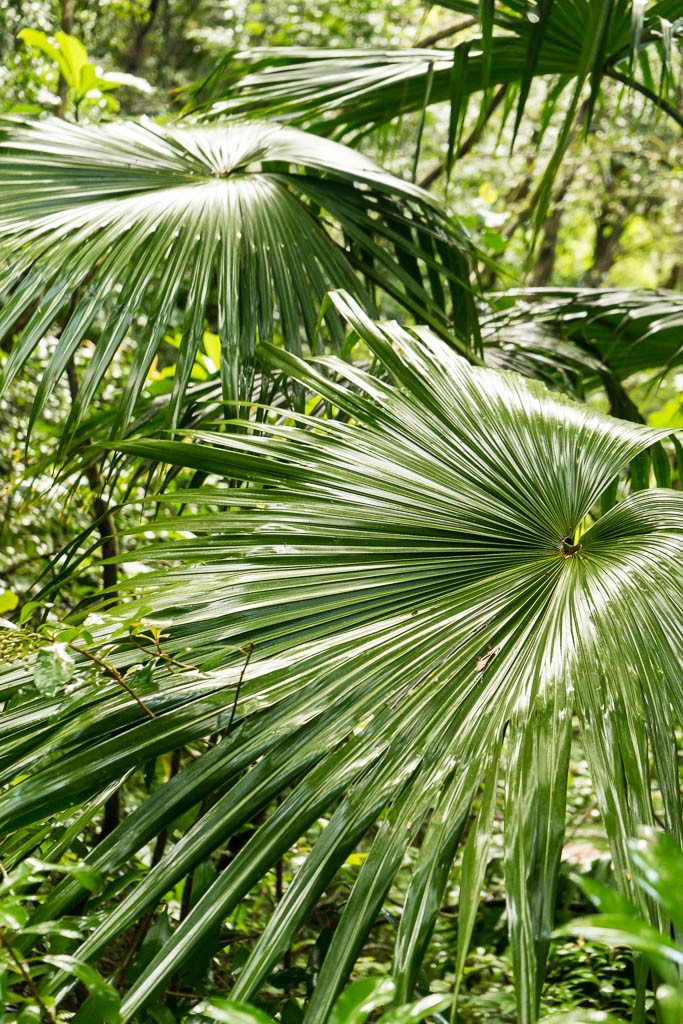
x=431, y=593
x=108, y=229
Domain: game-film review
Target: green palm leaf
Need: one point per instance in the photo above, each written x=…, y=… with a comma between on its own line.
x=350, y=90
x=128, y=230
x=579, y=339
x=630, y=330
x=430, y=592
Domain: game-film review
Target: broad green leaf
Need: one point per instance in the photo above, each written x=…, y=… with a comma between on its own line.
x=8, y=601
x=359, y=999
x=417, y=1011
x=658, y=866
x=605, y=898
x=100, y=1007
x=75, y=56
x=670, y=1004
x=13, y=914
x=30, y=1014
x=103, y=1001
x=230, y=1012
x=621, y=930
x=39, y=40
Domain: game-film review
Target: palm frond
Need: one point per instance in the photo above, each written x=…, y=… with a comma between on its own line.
x=348, y=91
x=580, y=339
x=126, y=230
x=428, y=592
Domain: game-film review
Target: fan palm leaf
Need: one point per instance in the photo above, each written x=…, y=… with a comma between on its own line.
x=631, y=331
x=132, y=230
x=427, y=593
x=349, y=90
x=580, y=339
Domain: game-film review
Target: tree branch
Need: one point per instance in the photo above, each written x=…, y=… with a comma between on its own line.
x=445, y=33
x=471, y=139
x=658, y=101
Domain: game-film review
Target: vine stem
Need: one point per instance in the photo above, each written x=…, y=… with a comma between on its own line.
x=112, y=671
x=445, y=33
x=248, y=651
x=5, y=944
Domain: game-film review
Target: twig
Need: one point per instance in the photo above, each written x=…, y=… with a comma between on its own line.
x=26, y=976
x=444, y=33
x=114, y=673
x=248, y=651
x=471, y=139
x=161, y=653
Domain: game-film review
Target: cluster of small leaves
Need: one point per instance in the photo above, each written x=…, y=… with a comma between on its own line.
x=88, y=89
x=21, y=1001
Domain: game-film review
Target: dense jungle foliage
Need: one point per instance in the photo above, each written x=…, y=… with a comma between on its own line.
x=341, y=555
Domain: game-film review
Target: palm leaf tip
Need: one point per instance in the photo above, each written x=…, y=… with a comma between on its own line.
x=110, y=230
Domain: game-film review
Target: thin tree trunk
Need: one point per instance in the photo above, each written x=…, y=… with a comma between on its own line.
x=134, y=57
x=66, y=23
x=675, y=278
x=544, y=266
x=609, y=228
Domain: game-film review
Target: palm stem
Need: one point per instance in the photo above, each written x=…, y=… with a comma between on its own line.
x=658, y=101
x=101, y=512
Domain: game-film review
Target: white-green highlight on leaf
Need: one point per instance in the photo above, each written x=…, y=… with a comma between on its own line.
x=54, y=668
x=124, y=232
x=433, y=598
